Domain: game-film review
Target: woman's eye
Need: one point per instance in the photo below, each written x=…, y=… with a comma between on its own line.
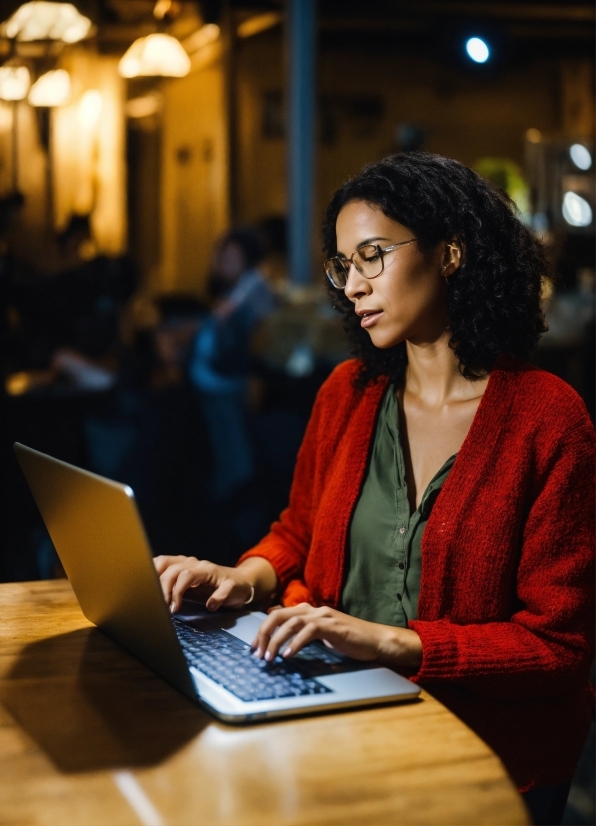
x=369, y=257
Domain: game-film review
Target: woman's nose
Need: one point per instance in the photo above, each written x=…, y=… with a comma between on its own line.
x=356, y=284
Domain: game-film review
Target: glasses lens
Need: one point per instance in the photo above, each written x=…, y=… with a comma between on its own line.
x=336, y=272
x=370, y=260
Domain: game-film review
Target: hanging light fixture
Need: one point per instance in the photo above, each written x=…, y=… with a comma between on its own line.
x=46, y=20
x=205, y=36
x=157, y=55
x=51, y=89
x=144, y=106
x=15, y=80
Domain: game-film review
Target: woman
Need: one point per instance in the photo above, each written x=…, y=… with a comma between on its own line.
x=440, y=515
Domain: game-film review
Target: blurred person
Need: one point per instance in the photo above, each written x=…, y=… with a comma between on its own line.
x=570, y=312
x=273, y=232
x=72, y=318
x=441, y=516
x=65, y=367
x=220, y=358
x=567, y=349
x=74, y=241
x=179, y=319
x=95, y=290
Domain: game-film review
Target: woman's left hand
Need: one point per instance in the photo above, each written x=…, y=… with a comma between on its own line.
x=354, y=637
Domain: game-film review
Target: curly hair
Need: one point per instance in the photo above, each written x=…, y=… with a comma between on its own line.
x=493, y=299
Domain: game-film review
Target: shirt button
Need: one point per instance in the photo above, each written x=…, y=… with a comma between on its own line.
x=399, y=597
x=400, y=565
x=402, y=530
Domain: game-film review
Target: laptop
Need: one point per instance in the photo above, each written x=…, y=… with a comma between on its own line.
x=99, y=536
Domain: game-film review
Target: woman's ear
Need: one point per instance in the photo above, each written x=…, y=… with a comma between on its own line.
x=453, y=256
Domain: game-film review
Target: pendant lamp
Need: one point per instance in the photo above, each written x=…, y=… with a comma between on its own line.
x=46, y=20
x=15, y=80
x=51, y=89
x=157, y=55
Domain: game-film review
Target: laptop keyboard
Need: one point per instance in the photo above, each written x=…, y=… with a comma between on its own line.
x=229, y=662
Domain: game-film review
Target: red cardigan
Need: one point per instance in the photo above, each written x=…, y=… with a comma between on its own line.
x=506, y=597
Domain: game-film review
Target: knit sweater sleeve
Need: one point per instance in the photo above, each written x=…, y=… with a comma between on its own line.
x=547, y=644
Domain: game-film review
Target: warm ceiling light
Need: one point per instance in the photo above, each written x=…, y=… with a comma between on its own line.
x=259, y=23
x=143, y=107
x=51, y=89
x=45, y=20
x=163, y=7
x=90, y=108
x=533, y=135
x=15, y=80
x=207, y=34
x=157, y=55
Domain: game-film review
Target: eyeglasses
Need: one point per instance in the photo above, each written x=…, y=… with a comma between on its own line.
x=369, y=260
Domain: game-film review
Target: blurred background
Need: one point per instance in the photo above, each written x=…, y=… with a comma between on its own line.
x=164, y=170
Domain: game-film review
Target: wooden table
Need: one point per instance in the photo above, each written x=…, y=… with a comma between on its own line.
x=88, y=735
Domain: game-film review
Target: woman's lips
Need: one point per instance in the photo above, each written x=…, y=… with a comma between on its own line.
x=371, y=318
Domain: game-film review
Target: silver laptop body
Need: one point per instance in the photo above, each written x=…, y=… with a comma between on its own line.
x=97, y=531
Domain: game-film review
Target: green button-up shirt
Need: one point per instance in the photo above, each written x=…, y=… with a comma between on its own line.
x=383, y=566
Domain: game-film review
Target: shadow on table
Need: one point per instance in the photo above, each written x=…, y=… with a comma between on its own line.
x=89, y=705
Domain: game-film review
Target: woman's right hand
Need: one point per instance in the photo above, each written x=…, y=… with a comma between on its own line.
x=216, y=585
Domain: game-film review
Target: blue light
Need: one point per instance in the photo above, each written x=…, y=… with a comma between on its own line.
x=580, y=156
x=576, y=210
x=477, y=49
